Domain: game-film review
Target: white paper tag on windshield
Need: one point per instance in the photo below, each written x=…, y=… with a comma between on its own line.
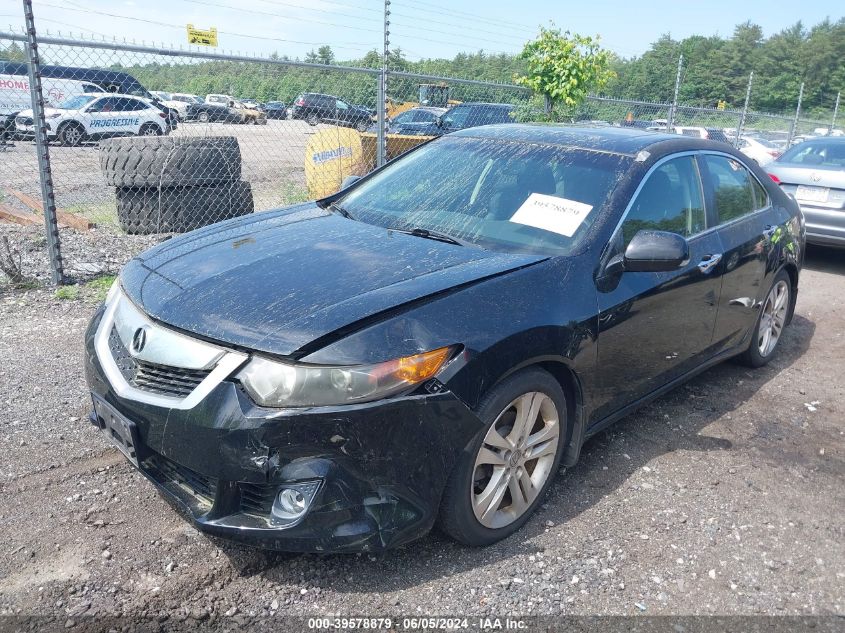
x=550, y=213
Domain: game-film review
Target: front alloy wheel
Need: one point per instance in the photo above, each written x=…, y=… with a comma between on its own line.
x=502, y=475
x=515, y=460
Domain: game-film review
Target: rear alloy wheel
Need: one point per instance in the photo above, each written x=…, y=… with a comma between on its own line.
x=362, y=126
x=773, y=317
x=150, y=130
x=312, y=119
x=507, y=469
x=71, y=135
x=203, y=117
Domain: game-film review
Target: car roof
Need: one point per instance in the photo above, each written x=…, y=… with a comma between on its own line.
x=483, y=104
x=619, y=140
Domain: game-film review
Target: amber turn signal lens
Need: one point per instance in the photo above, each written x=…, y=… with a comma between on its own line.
x=421, y=366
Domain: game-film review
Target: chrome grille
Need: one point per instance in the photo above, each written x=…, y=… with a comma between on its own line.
x=161, y=379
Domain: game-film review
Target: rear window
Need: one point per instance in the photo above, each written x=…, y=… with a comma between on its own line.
x=817, y=153
x=500, y=195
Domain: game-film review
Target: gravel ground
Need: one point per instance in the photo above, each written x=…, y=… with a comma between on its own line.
x=723, y=497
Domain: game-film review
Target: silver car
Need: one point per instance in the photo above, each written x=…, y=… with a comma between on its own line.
x=814, y=172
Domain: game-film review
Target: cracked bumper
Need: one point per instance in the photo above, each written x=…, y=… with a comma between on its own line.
x=381, y=466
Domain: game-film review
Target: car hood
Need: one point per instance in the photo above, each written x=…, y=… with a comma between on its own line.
x=299, y=278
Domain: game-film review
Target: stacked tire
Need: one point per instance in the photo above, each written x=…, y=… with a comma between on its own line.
x=173, y=185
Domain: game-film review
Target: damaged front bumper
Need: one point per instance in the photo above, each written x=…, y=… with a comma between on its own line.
x=375, y=472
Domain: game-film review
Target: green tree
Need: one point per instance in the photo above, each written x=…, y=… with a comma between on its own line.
x=12, y=53
x=564, y=68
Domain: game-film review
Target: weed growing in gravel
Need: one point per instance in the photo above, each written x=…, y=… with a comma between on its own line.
x=99, y=287
x=67, y=293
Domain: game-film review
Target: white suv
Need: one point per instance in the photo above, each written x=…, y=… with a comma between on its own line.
x=95, y=116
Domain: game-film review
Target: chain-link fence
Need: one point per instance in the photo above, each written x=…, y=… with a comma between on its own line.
x=207, y=136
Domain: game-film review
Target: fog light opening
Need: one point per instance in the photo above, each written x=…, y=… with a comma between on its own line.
x=293, y=501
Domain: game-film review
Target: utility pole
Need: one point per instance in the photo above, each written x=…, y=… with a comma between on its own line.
x=744, y=110
x=51, y=227
x=670, y=122
x=381, y=141
x=835, y=112
x=795, y=120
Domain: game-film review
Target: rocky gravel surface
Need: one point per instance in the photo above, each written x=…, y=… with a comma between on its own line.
x=724, y=497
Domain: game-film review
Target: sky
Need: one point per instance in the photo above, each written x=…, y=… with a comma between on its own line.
x=423, y=29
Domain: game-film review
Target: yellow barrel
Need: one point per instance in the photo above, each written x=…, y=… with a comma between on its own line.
x=331, y=155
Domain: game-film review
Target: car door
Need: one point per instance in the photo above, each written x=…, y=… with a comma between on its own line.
x=746, y=225
x=656, y=326
x=100, y=115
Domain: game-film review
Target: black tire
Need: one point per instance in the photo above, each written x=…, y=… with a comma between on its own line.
x=753, y=356
x=147, y=210
x=312, y=120
x=149, y=161
x=150, y=129
x=456, y=517
x=71, y=134
x=362, y=126
x=202, y=117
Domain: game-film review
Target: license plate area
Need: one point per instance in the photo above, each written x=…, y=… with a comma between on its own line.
x=120, y=431
x=812, y=194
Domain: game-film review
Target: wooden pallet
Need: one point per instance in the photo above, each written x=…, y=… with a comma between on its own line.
x=64, y=218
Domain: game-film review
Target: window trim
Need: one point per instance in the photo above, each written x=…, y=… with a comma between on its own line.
x=711, y=203
x=696, y=153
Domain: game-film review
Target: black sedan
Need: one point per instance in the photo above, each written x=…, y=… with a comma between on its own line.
x=431, y=344
x=276, y=110
x=209, y=112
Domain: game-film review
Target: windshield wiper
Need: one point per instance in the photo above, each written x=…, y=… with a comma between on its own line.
x=431, y=235
x=336, y=208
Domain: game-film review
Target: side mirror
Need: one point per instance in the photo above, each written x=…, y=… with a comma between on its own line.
x=655, y=251
x=349, y=181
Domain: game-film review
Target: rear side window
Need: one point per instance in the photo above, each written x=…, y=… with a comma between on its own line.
x=670, y=200
x=732, y=186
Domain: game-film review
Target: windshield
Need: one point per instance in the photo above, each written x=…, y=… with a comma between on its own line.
x=506, y=196
x=75, y=103
x=818, y=153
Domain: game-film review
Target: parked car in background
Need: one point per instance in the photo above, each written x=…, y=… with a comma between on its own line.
x=275, y=110
x=318, y=108
x=467, y=115
x=433, y=343
x=758, y=149
x=814, y=173
x=417, y=121
x=233, y=111
x=179, y=102
x=96, y=116
x=711, y=133
x=161, y=95
x=59, y=84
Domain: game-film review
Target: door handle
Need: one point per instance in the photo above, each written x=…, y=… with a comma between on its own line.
x=769, y=231
x=709, y=262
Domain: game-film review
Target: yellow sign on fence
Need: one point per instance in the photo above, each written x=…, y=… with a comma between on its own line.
x=202, y=37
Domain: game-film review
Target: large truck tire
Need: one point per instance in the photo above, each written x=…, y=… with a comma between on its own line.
x=160, y=161
x=146, y=210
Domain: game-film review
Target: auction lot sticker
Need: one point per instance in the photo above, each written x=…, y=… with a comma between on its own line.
x=550, y=213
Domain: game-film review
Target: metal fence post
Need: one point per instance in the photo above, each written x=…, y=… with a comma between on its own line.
x=381, y=141
x=670, y=122
x=48, y=199
x=835, y=112
x=795, y=120
x=744, y=110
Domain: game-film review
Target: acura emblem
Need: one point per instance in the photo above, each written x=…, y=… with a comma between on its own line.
x=139, y=339
x=815, y=177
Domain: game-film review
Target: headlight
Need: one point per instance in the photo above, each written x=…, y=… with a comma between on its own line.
x=112, y=293
x=55, y=115
x=274, y=384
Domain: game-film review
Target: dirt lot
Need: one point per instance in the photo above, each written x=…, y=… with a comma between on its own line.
x=273, y=164
x=724, y=497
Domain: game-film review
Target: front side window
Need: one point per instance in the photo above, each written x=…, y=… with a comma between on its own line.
x=669, y=200
x=733, y=192
x=75, y=103
x=501, y=195
x=341, y=105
